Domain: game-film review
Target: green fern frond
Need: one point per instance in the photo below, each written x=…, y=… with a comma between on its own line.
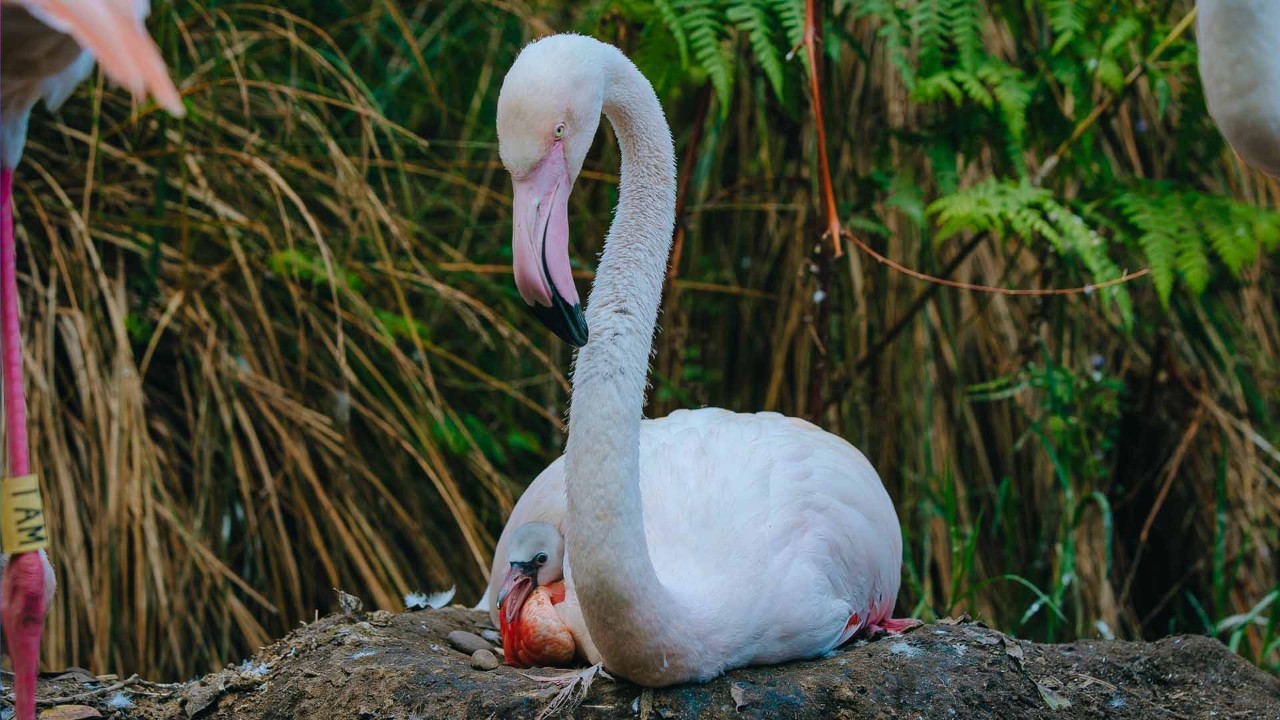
x=1013, y=97
x=965, y=26
x=1158, y=232
x=1030, y=213
x=706, y=28
x=1067, y=20
x=929, y=30
x=894, y=32
x=975, y=89
x=671, y=19
x=703, y=30
x=791, y=15
x=1229, y=230
x=753, y=18
x=1177, y=231
x=987, y=206
x=934, y=87
x=1120, y=34
x=1193, y=262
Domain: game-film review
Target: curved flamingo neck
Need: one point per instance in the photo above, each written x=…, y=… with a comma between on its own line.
x=641, y=630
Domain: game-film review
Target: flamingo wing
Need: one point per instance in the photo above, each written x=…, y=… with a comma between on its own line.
x=776, y=531
x=113, y=33
x=781, y=534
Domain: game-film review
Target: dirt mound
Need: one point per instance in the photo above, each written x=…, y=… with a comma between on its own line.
x=384, y=665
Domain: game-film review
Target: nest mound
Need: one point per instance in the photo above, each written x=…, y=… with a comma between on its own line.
x=402, y=666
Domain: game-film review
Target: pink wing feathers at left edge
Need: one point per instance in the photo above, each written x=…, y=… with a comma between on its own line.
x=113, y=32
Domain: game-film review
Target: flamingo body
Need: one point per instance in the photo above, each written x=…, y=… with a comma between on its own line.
x=1241, y=75
x=775, y=531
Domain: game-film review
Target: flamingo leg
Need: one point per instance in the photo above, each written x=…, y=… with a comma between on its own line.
x=26, y=587
x=574, y=687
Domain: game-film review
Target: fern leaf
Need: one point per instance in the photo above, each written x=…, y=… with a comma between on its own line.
x=1193, y=263
x=705, y=28
x=1066, y=19
x=965, y=24
x=753, y=18
x=928, y=27
x=893, y=32
x=1013, y=96
x=791, y=15
x=1157, y=237
x=671, y=19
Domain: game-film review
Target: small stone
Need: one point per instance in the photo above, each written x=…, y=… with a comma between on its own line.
x=348, y=603
x=468, y=643
x=484, y=660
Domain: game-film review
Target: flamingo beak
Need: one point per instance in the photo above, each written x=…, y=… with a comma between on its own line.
x=540, y=247
x=516, y=587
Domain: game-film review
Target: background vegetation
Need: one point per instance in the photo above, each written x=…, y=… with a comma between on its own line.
x=275, y=347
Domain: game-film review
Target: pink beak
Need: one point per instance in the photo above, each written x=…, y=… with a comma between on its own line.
x=514, y=591
x=540, y=246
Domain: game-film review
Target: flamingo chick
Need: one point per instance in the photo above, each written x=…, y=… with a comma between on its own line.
x=533, y=633
x=49, y=47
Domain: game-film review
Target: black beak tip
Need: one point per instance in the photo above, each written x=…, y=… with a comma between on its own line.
x=566, y=321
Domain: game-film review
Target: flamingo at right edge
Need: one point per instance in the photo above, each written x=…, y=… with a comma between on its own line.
x=1237, y=42
x=47, y=47
x=704, y=541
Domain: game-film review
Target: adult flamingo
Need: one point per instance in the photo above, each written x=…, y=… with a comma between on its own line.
x=706, y=540
x=49, y=47
x=1241, y=76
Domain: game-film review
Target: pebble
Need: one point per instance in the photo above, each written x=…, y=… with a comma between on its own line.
x=468, y=643
x=484, y=660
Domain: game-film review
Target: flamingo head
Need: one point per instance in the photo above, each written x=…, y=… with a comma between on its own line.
x=548, y=112
x=532, y=631
x=535, y=559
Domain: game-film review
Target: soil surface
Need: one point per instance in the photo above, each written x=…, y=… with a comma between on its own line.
x=385, y=665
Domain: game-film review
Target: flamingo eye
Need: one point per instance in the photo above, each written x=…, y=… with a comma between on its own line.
x=559, y=131
x=540, y=559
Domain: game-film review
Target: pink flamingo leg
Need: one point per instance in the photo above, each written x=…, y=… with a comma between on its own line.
x=22, y=590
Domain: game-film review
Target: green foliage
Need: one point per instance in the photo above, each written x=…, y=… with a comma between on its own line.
x=1067, y=20
x=703, y=30
x=1176, y=232
x=1027, y=212
x=896, y=32
x=1179, y=231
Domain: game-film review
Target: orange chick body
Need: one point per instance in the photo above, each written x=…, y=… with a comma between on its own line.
x=537, y=637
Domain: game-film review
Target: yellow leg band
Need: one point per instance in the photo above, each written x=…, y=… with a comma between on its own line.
x=22, y=527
